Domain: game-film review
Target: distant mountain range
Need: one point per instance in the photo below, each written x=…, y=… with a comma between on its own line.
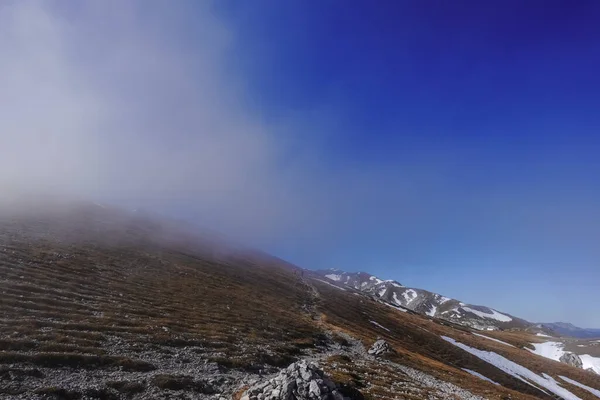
x=435, y=305
x=567, y=329
x=425, y=302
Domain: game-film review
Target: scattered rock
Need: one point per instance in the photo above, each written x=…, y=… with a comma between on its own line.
x=380, y=348
x=571, y=359
x=128, y=388
x=299, y=381
x=181, y=382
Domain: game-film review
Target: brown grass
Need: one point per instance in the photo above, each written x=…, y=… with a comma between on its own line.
x=71, y=296
x=73, y=360
x=181, y=382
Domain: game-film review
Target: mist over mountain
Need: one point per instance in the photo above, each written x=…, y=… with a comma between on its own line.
x=207, y=113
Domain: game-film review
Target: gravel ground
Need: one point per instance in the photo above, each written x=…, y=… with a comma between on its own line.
x=183, y=373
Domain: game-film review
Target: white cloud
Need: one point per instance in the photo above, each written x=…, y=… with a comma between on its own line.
x=130, y=102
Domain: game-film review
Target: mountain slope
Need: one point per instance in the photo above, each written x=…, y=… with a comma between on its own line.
x=96, y=303
x=425, y=302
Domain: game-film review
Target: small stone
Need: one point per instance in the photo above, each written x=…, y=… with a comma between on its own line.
x=379, y=348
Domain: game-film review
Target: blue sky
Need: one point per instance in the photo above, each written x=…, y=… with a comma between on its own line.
x=490, y=109
x=451, y=146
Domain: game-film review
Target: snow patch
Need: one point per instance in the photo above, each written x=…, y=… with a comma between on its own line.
x=379, y=325
x=334, y=277
x=331, y=284
x=432, y=312
x=542, y=335
x=477, y=374
x=393, y=306
x=593, y=391
x=382, y=292
x=494, y=315
x=495, y=340
x=444, y=299
x=591, y=362
x=516, y=370
x=551, y=350
x=555, y=350
x=409, y=295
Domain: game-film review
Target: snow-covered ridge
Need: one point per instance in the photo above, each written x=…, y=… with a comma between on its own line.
x=424, y=302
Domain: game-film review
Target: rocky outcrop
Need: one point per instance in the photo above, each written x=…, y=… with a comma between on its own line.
x=299, y=381
x=571, y=359
x=380, y=348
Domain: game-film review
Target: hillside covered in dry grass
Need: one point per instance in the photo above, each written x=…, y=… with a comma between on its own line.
x=101, y=304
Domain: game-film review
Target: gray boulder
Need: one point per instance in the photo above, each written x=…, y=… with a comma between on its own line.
x=380, y=348
x=571, y=359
